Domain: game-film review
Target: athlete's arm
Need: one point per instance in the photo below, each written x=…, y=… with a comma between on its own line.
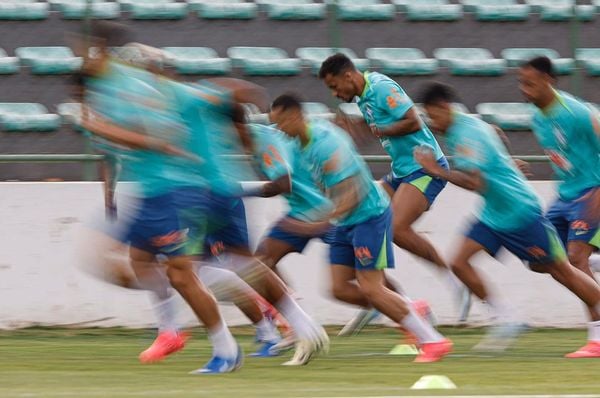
x=97, y=125
x=281, y=185
x=522, y=165
x=244, y=91
x=346, y=196
x=470, y=180
x=109, y=173
x=410, y=124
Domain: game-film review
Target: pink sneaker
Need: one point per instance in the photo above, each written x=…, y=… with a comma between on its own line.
x=433, y=352
x=165, y=344
x=590, y=350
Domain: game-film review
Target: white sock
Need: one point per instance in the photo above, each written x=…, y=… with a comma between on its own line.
x=502, y=311
x=165, y=313
x=224, y=345
x=302, y=324
x=594, y=331
x=423, y=331
x=266, y=331
x=225, y=285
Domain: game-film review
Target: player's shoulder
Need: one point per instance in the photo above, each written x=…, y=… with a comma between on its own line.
x=380, y=82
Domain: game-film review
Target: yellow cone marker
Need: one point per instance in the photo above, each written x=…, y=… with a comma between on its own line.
x=430, y=382
x=404, y=350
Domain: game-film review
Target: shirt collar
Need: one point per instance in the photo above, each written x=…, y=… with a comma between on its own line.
x=367, y=85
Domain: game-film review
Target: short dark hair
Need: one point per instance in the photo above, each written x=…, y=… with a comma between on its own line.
x=335, y=65
x=114, y=34
x=287, y=101
x=436, y=92
x=542, y=64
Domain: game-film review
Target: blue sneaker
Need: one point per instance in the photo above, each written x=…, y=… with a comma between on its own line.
x=267, y=350
x=219, y=365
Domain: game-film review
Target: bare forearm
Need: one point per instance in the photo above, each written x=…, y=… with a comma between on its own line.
x=345, y=196
x=273, y=188
x=403, y=127
x=468, y=181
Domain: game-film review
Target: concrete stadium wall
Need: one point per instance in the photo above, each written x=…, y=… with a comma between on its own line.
x=42, y=282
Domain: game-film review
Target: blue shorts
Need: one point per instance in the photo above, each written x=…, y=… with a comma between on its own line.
x=298, y=242
x=571, y=220
x=192, y=209
x=226, y=226
x=428, y=185
x=364, y=246
x=537, y=243
x=157, y=228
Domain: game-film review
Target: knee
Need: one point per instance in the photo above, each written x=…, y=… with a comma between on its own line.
x=179, y=278
x=578, y=259
x=337, y=291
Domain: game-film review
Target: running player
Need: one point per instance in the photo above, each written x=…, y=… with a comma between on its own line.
x=392, y=117
x=361, y=247
x=569, y=132
x=511, y=216
x=121, y=101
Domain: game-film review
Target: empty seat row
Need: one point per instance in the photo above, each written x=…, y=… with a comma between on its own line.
x=275, y=61
x=25, y=117
x=349, y=10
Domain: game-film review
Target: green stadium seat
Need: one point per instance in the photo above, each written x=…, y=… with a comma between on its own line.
x=264, y=61
x=295, y=10
x=314, y=57
x=502, y=12
x=538, y=5
x=78, y=9
x=401, y=5
x=470, y=61
x=589, y=58
x=471, y=5
x=70, y=112
x=223, y=10
x=23, y=11
x=365, y=10
x=402, y=61
x=159, y=11
x=565, y=12
x=317, y=110
x=518, y=56
x=127, y=5
x=27, y=117
x=427, y=12
x=194, y=5
x=8, y=65
x=507, y=115
x=197, y=61
x=585, y=12
x=49, y=60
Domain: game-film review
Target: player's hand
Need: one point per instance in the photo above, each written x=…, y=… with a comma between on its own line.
x=424, y=156
x=525, y=167
x=376, y=131
x=304, y=228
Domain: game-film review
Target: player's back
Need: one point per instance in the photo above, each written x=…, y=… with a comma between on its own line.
x=509, y=199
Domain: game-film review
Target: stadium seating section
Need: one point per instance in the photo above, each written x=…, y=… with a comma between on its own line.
x=474, y=45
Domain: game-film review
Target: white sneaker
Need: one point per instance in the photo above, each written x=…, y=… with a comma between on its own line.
x=306, y=349
x=501, y=337
x=359, y=321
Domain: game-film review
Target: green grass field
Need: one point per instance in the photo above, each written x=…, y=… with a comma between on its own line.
x=103, y=363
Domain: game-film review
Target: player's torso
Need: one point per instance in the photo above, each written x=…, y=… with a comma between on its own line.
x=375, y=106
x=562, y=135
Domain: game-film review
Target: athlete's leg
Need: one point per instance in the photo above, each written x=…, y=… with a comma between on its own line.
x=409, y=204
x=344, y=287
x=464, y=271
x=270, y=251
x=579, y=256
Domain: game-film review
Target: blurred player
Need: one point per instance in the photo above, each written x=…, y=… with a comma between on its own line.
x=569, y=132
x=122, y=101
x=511, y=216
x=391, y=116
x=361, y=247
